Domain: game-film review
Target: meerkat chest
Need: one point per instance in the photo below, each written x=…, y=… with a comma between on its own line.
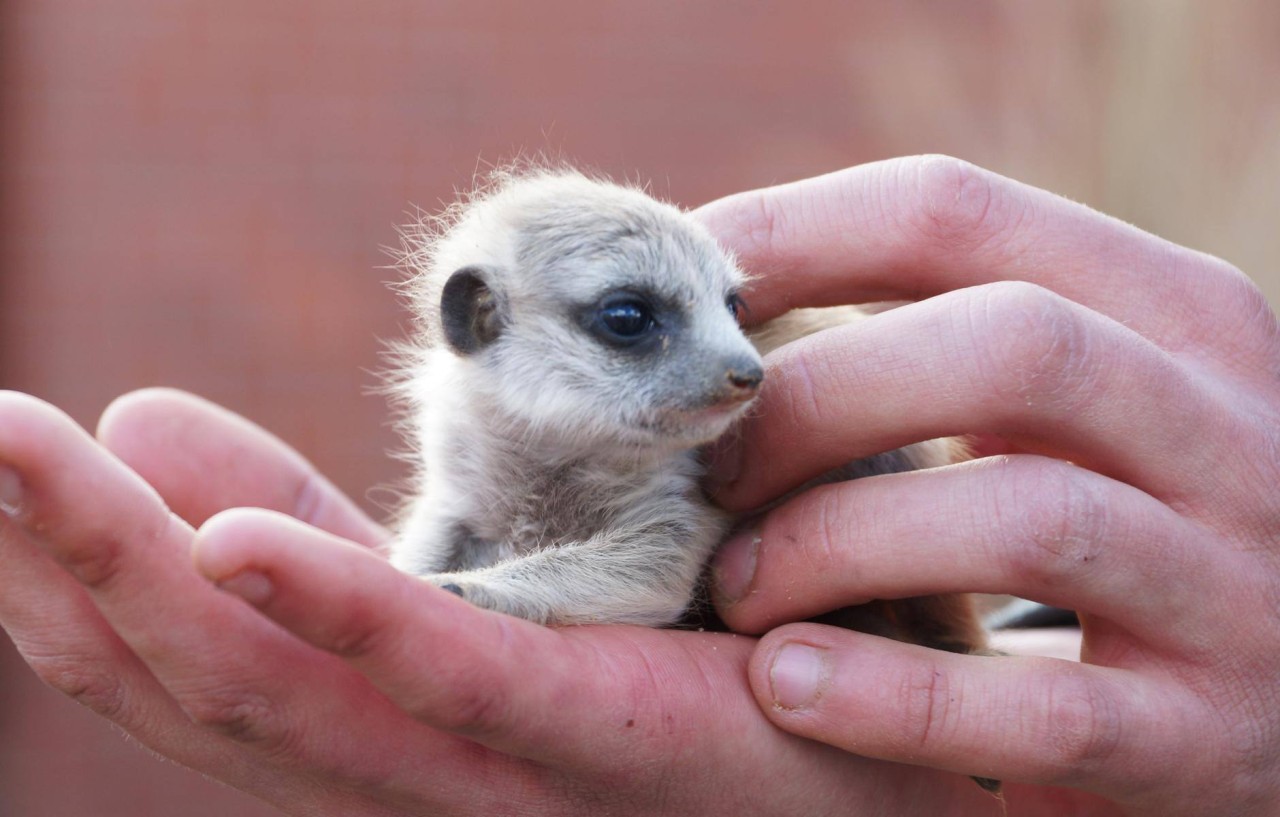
x=539, y=507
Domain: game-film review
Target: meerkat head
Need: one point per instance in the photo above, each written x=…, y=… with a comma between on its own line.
x=591, y=313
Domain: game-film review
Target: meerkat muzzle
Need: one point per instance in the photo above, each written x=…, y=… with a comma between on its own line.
x=742, y=383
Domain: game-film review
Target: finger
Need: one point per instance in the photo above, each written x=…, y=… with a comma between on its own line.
x=71, y=648
x=231, y=672
x=1013, y=359
x=61, y=635
x=1033, y=720
x=1024, y=525
x=604, y=703
x=469, y=671
x=394, y=628
x=915, y=227
x=204, y=459
x=64, y=639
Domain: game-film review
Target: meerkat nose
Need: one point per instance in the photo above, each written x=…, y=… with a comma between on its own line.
x=744, y=380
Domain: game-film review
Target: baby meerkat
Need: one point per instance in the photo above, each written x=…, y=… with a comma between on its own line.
x=578, y=344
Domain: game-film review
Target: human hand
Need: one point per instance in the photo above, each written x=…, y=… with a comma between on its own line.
x=378, y=695
x=1136, y=382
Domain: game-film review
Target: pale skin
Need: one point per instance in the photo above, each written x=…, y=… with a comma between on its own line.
x=345, y=687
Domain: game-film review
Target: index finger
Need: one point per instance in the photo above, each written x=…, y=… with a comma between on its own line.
x=587, y=698
x=915, y=227
x=202, y=459
x=170, y=640
x=392, y=627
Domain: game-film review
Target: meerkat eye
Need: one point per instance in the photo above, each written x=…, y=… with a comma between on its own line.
x=736, y=305
x=624, y=320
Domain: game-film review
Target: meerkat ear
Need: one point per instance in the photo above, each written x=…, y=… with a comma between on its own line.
x=469, y=311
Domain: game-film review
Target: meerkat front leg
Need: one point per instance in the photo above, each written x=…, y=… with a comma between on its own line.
x=642, y=575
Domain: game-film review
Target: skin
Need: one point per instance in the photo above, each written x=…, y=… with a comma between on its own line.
x=383, y=695
x=1061, y=335
x=1135, y=383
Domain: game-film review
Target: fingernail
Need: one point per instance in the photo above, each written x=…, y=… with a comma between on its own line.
x=735, y=566
x=10, y=492
x=797, y=675
x=250, y=585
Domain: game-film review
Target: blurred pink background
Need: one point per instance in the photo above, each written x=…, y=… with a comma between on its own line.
x=195, y=193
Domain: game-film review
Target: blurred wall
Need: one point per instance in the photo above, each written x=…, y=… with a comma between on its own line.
x=194, y=193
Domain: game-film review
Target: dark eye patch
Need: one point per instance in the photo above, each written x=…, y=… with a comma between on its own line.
x=736, y=306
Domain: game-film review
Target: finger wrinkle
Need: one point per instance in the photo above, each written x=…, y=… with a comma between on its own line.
x=86, y=681
x=760, y=224
x=1046, y=357
x=802, y=387
x=957, y=205
x=96, y=557
x=1056, y=524
x=244, y=716
x=91, y=542
x=832, y=525
x=96, y=561
x=926, y=696
x=308, y=500
x=1084, y=720
x=359, y=636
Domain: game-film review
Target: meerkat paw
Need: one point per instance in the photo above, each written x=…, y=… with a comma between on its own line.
x=492, y=595
x=459, y=586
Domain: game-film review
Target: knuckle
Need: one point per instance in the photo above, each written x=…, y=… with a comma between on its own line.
x=1259, y=324
x=1221, y=304
x=1240, y=294
x=1038, y=350
x=96, y=560
x=1056, y=522
x=358, y=639
x=470, y=698
x=954, y=203
x=803, y=404
x=752, y=223
x=825, y=547
x=244, y=716
x=1236, y=283
x=479, y=708
x=93, y=687
x=1083, y=725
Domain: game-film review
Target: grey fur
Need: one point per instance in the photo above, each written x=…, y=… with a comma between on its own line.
x=558, y=474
